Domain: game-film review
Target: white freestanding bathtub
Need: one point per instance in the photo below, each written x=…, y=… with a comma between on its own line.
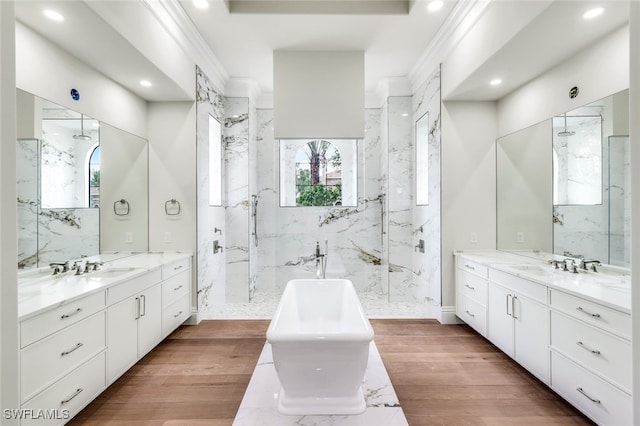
x=320, y=341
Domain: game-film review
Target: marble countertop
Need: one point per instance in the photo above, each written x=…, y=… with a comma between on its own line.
x=610, y=286
x=39, y=290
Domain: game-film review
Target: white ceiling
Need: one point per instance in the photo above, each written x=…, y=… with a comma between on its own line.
x=243, y=43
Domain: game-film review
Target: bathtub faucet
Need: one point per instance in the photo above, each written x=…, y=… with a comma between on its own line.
x=321, y=259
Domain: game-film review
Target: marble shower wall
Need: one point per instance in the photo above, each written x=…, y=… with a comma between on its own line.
x=236, y=182
x=27, y=195
x=210, y=266
x=288, y=235
x=400, y=200
x=254, y=201
x=426, y=218
x=619, y=201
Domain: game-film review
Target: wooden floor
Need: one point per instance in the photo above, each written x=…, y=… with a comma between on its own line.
x=443, y=375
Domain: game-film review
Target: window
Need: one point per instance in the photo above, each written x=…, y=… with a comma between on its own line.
x=94, y=177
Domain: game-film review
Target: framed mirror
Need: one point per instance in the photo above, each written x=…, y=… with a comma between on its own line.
x=318, y=172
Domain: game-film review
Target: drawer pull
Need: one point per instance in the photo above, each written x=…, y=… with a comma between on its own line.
x=593, y=351
x=178, y=288
x=178, y=314
x=597, y=401
x=469, y=287
x=470, y=314
x=65, y=316
x=68, y=399
x=75, y=348
x=178, y=267
x=469, y=267
x=579, y=308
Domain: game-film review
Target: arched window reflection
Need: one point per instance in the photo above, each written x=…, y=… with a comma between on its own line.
x=94, y=178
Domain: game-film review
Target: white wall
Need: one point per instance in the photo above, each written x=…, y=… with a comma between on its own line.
x=468, y=183
x=172, y=174
x=45, y=70
x=9, y=389
x=598, y=72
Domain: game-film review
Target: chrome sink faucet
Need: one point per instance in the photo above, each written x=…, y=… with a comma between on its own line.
x=59, y=267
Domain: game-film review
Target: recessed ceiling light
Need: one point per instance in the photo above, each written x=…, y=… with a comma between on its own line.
x=145, y=83
x=53, y=15
x=435, y=5
x=495, y=82
x=405, y=114
x=201, y=4
x=592, y=13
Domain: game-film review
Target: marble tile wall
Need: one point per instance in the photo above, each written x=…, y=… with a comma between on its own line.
x=400, y=200
x=620, y=201
x=236, y=182
x=27, y=195
x=254, y=202
x=210, y=266
x=426, y=219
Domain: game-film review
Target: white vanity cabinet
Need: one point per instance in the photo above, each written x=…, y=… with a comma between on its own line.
x=518, y=321
x=176, y=295
x=134, y=322
x=62, y=358
x=591, y=357
x=471, y=294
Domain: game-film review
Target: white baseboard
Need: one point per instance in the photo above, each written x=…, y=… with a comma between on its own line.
x=447, y=315
x=194, y=319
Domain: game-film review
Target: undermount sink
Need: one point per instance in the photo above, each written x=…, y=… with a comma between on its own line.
x=110, y=273
x=532, y=269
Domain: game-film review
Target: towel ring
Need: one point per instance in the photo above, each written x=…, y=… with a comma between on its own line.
x=121, y=207
x=172, y=207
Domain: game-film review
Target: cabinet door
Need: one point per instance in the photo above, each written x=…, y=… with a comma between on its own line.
x=500, y=318
x=532, y=336
x=122, y=334
x=150, y=321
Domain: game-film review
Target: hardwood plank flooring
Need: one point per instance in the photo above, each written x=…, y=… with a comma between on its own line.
x=443, y=375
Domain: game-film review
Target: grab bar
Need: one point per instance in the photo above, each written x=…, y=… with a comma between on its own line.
x=254, y=215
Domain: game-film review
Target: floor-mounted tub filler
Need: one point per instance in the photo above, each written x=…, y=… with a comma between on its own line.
x=320, y=341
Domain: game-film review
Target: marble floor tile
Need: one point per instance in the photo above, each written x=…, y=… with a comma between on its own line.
x=259, y=405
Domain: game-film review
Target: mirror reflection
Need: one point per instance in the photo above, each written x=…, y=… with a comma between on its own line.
x=318, y=172
x=565, y=188
x=70, y=170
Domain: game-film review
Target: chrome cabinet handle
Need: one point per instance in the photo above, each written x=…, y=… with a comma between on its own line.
x=469, y=267
x=579, y=308
x=68, y=399
x=178, y=267
x=593, y=351
x=508, y=296
x=137, y=308
x=597, y=401
x=76, y=347
x=469, y=287
x=513, y=307
x=143, y=300
x=178, y=288
x=77, y=311
x=178, y=314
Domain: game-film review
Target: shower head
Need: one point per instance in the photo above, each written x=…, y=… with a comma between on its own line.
x=82, y=136
x=566, y=132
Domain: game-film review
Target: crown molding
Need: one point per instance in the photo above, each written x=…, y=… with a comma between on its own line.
x=237, y=87
x=177, y=23
x=462, y=18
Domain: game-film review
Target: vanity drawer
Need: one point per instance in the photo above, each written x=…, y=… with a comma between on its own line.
x=71, y=393
x=609, y=356
x=525, y=287
x=473, y=313
x=175, y=268
x=49, y=322
x=472, y=286
x=175, y=314
x=602, y=402
x=472, y=267
x=175, y=287
x=593, y=313
x=132, y=287
x=53, y=357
